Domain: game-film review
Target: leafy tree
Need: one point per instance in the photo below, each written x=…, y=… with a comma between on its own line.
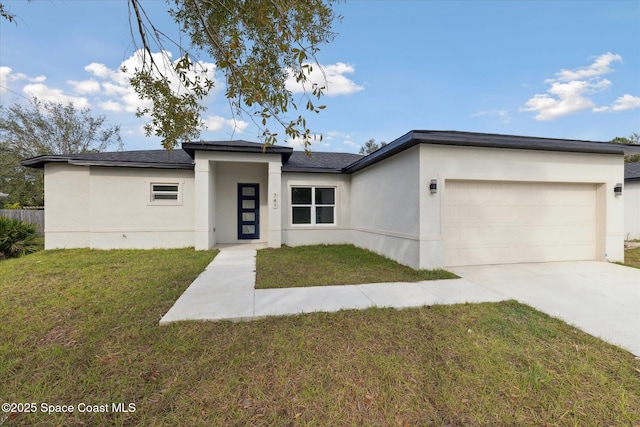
x=41, y=128
x=370, y=146
x=634, y=138
x=256, y=45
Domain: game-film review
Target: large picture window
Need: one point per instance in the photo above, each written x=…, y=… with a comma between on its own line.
x=313, y=205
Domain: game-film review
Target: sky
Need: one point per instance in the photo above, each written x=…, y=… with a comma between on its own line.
x=557, y=69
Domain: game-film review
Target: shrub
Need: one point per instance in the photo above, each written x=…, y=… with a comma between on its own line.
x=17, y=238
x=12, y=206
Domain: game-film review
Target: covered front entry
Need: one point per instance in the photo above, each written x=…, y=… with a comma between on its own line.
x=237, y=198
x=495, y=222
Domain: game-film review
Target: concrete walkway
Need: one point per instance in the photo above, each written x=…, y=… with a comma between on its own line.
x=225, y=290
x=599, y=298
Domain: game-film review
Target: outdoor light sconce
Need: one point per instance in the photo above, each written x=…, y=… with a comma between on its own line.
x=617, y=190
x=433, y=187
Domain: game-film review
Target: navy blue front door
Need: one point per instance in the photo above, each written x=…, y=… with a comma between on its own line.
x=248, y=211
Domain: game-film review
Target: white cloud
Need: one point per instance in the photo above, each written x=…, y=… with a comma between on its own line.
x=298, y=142
x=7, y=76
x=502, y=115
x=115, y=82
x=216, y=123
x=85, y=87
x=112, y=106
x=599, y=67
x=570, y=91
x=45, y=93
x=4, y=77
x=352, y=144
x=625, y=102
x=332, y=77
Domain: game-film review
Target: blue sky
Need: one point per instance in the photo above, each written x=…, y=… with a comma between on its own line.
x=562, y=69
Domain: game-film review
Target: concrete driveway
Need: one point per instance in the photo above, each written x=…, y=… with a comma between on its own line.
x=599, y=298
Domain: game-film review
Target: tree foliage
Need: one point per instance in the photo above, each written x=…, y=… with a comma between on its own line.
x=370, y=146
x=634, y=138
x=4, y=13
x=256, y=45
x=41, y=128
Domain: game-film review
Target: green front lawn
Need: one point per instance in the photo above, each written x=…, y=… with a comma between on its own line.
x=323, y=265
x=81, y=326
x=632, y=257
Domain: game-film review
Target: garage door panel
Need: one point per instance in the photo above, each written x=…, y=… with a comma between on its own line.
x=503, y=222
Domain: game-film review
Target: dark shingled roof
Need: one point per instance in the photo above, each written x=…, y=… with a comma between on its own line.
x=296, y=161
x=179, y=159
x=319, y=162
x=163, y=159
x=632, y=171
x=474, y=139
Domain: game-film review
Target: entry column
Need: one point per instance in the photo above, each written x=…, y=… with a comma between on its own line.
x=274, y=201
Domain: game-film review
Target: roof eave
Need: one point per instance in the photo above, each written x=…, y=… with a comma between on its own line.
x=191, y=147
x=454, y=138
x=312, y=170
x=131, y=164
x=38, y=162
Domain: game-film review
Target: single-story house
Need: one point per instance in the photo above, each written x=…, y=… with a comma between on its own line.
x=428, y=199
x=632, y=201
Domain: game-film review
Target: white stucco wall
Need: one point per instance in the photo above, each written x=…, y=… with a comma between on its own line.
x=472, y=163
x=631, y=194
x=394, y=213
x=110, y=207
x=296, y=235
x=66, y=214
x=123, y=216
x=385, y=207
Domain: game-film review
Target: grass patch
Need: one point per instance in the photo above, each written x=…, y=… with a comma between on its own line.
x=324, y=265
x=82, y=326
x=632, y=257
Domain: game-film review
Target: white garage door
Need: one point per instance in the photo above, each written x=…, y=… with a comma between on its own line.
x=508, y=222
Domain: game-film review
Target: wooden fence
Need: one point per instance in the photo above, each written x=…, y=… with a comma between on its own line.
x=34, y=216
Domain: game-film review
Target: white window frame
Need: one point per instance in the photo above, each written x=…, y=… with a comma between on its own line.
x=165, y=202
x=313, y=206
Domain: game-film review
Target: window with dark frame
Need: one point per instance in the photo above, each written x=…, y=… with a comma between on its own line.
x=313, y=205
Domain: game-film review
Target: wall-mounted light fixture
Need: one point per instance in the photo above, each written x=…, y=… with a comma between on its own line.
x=433, y=187
x=617, y=190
